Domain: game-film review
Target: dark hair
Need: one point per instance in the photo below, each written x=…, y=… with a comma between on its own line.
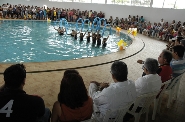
x=167, y=55
x=73, y=92
x=14, y=76
x=179, y=38
x=119, y=70
x=183, y=42
x=68, y=71
x=179, y=49
x=151, y=65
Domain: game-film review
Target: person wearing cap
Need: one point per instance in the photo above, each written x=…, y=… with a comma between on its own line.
x=114, y=96
x=15, y=104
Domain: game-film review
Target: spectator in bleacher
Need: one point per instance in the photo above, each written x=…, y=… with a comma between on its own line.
x=178, y=63
x=164, y=70
x=113, y=96
x=151, y=81
x=141, y=20
x=73, y=103
x=182, y=42
x=15, y=104
x=162, y=22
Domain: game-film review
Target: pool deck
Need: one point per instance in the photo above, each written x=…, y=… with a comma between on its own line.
x=43, y=79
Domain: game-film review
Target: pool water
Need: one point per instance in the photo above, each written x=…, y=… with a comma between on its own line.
x=38, y=41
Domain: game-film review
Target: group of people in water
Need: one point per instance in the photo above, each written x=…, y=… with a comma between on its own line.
x=96, y=37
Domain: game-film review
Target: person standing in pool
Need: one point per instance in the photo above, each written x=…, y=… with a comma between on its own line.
x=73, y=34
x=94, y=38
x=60, y=30
x=88, y=37
x=104, y=44
x=82, y=36
x=98, y=40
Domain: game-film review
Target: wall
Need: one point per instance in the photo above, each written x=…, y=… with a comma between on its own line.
x=152, y=14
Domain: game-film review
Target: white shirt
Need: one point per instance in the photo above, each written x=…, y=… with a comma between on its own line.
x=115, y=96
x=90, y=13
x=148, y=83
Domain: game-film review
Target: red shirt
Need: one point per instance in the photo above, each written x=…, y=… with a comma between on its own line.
x=77, y=114
x=166, y=73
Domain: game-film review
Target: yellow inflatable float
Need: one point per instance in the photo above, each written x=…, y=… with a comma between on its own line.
x=122, y=44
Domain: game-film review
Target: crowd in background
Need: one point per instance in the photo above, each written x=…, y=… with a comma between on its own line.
x=9, y=11
x=74, y=103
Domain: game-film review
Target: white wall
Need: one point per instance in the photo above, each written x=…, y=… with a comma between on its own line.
x=152, y=14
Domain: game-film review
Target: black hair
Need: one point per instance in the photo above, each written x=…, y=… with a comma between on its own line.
x=179, y=38
x=119, y=71
x=167, y=55
x=179, y=49
x=183, y=42
x=14, y=76
x=68, y=71
x=73, y=92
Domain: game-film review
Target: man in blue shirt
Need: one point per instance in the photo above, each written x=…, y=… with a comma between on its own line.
x=178, y=63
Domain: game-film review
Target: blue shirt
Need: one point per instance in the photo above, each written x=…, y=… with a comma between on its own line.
x=178, y=67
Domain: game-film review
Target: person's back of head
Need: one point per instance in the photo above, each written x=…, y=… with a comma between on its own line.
x=68, y=71
x=167, y=55
x=178, y=50
x=119, y=71
x=14, y=76
x=73, y=92
x=151, y=65
x=182, y=42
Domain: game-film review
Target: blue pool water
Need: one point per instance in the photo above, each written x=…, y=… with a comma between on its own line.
x=37, y=41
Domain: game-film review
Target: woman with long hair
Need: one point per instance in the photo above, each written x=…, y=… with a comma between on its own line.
x=73, y=103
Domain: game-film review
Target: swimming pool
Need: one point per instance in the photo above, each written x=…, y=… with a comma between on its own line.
x=38, y=41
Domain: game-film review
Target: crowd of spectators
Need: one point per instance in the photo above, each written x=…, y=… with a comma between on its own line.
x=74, y=103
x=9, y=11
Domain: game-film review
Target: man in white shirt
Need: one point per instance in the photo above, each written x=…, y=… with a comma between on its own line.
x=151, y=81
x=116, y=95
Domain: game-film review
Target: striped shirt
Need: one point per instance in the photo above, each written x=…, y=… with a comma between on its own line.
x=178, y=66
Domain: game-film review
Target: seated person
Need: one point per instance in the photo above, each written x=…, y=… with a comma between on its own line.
x=114, y=96
x=151, y=81
x=164, y=70
x=178, y=63
x=116, y=22
x=73, y=102
x=110, y=20
x=182, y=42
x=15, y=104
